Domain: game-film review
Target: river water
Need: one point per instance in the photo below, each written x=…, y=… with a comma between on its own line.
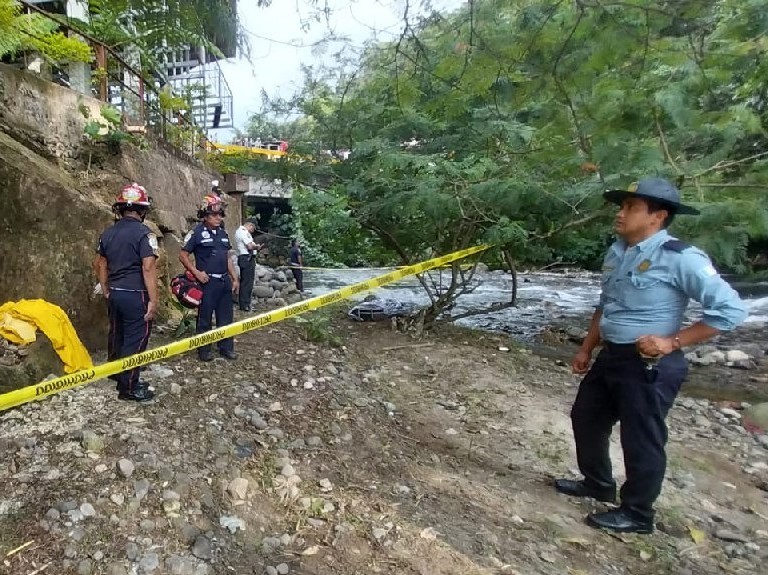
x=544, y=299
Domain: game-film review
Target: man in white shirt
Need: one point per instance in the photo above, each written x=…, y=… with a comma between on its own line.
x=246, y=261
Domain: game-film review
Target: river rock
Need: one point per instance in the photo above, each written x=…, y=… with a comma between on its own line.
x=141, y=488
x=259, y=422
x=287, y=471
x=726, y=535
x=131, y=551
x=87, y=510
x=85, y=567
x=177, y=565
x=238, y=488
x=263, y=291
x=202, y=549
x=756, y=418
x=92, y=441
x=575, y=334
x=735, y=355
x=280, y=276
x=149, y=563
x=125, y=467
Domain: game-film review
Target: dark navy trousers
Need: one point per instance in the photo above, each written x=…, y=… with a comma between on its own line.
x=622, y=387
x=247, y=265
x=217, y=300
x=128, y=331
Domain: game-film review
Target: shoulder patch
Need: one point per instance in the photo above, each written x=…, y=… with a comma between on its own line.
x=675, y=246
x=152, y=239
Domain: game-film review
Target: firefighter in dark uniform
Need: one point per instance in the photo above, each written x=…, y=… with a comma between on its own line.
x=126, y=268
x=648, y=279
x=213, y=268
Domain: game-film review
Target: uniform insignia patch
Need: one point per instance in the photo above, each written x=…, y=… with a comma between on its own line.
x=632, y=188
x=188, y=237
x=644, y=265
x=152, y=239
x=206, y=235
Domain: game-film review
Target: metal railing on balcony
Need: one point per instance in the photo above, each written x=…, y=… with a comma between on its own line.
x=136, y=93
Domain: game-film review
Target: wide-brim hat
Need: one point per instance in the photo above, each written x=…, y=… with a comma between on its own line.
x=657, y=189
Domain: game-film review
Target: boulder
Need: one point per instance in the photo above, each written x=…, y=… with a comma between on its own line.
x=263, y=292
x=39, y=361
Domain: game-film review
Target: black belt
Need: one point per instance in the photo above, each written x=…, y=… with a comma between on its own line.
x=620, y=347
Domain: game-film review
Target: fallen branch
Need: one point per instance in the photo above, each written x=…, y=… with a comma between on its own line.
x=394, y=347
x=493, y=308
x=19, y=548
x=40, y=570
x=553, y=264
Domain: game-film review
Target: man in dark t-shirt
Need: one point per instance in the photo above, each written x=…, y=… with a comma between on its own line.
x=297, y=263
x=126, y=267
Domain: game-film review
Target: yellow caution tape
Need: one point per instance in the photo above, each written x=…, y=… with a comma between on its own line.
x=464, y=267
x=52, y=386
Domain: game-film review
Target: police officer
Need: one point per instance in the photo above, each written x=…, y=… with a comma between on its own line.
x=245, y=248
x=213, y=268
x=126, y=267
x=648, y=279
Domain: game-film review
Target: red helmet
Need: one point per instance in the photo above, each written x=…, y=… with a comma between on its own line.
x=133, y=195
x=211, y=204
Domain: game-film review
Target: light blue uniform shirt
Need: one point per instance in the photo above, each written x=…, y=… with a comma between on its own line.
x=646, y=288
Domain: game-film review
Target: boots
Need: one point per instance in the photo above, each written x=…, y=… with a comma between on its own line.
x=140, y=393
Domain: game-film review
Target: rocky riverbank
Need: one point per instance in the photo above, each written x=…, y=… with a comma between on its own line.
x=275, y=287
x=384, y=455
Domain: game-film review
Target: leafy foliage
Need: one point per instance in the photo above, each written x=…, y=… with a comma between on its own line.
x=19, y=31
x=318, y=329
x=504, y=121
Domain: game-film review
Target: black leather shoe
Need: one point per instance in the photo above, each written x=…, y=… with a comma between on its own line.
x=620, y=521
x=205, y=356
x=140, y=393
x=581, y=489
x=228, y=354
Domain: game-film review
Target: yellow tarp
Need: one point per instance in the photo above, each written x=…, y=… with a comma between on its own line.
x=17, y=330
x=53, y=322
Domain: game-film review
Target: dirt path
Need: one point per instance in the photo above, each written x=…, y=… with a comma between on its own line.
x=435, y=457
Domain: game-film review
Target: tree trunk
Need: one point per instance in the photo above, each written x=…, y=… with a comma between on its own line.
x=513, y=271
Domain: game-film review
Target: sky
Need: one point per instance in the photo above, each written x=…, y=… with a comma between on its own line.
x=279, y=44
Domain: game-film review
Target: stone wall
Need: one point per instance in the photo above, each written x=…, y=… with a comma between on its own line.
x=52, y=218
x=177, y=188
x=45, y=116
x=48, y=234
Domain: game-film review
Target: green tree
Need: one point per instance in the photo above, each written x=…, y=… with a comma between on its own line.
x=504, y=121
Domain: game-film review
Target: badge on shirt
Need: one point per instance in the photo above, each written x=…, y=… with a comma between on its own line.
x=152, y=239
x=643, y=266
x=206, y=235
